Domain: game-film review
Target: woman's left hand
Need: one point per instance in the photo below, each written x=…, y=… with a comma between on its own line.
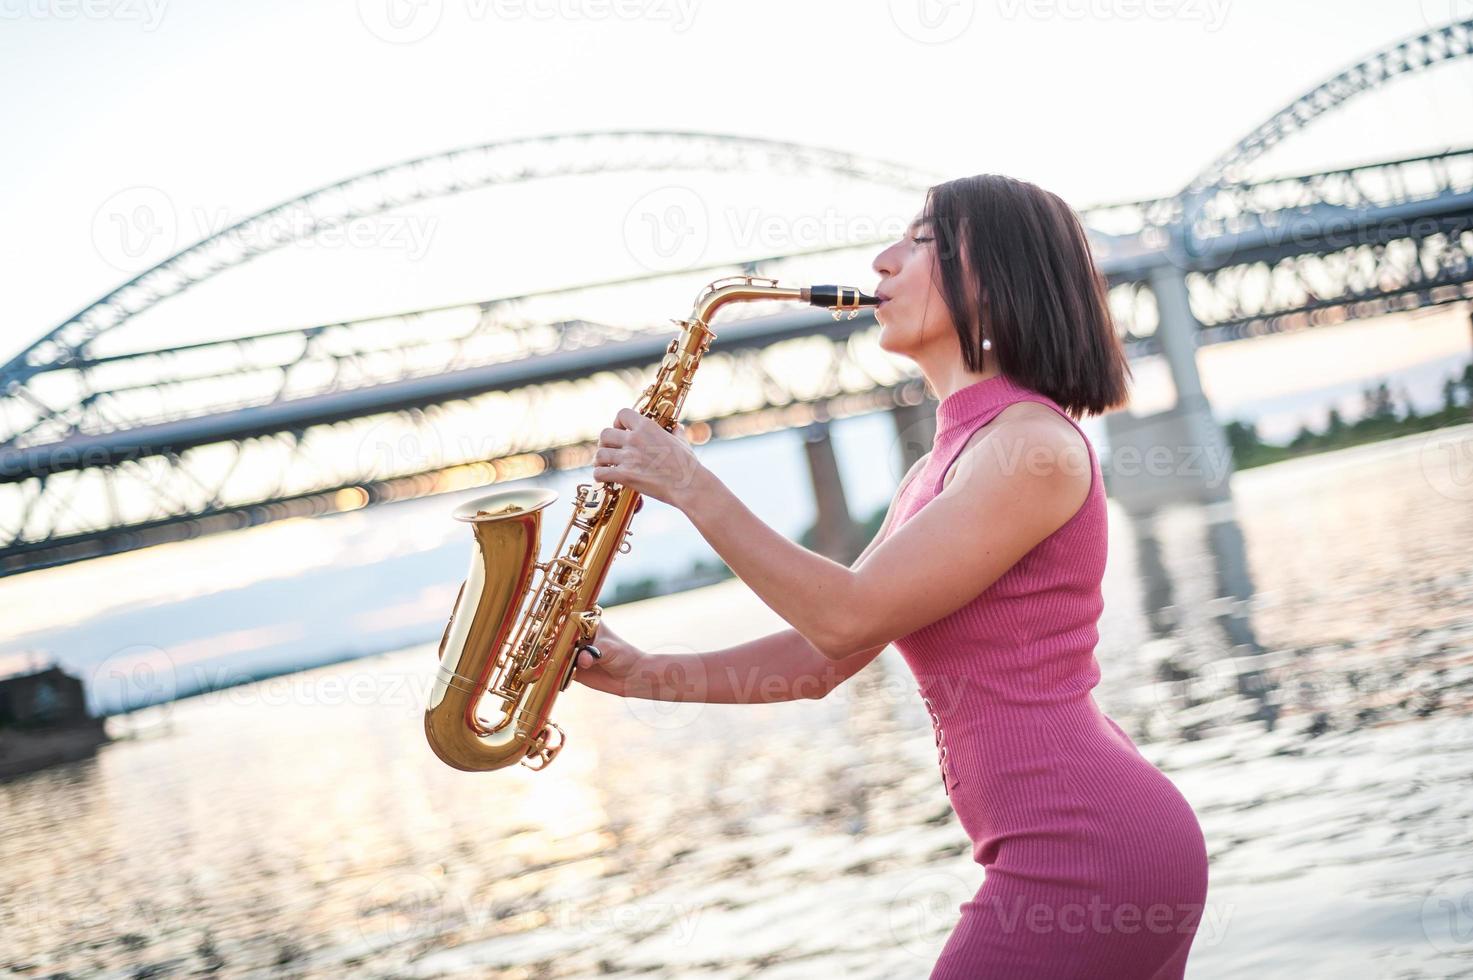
x=638, y=453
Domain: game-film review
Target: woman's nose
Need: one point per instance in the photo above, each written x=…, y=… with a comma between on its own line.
x=884, y=264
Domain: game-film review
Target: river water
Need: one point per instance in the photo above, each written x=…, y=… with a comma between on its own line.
x=1300, y=663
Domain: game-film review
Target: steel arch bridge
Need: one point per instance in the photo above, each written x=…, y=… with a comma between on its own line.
x=82, y=443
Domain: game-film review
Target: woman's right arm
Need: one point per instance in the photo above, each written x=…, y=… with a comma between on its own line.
x=782, y=666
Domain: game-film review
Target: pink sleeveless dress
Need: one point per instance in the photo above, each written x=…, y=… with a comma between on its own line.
x=1095, y=865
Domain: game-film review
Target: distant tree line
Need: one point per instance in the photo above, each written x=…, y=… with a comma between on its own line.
x=1381, y=418
x=700, y=573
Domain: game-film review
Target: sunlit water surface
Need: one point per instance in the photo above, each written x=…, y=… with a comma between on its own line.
x=1319, y=723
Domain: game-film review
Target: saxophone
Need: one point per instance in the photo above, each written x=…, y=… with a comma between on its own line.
x=519, y=645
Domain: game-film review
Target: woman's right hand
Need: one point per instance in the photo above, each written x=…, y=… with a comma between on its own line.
x=619, y=659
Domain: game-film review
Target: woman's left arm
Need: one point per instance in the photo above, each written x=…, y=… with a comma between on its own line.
x=1013, y=488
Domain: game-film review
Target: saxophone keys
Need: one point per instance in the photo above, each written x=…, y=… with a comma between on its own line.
x=588, y=508
x=588, y=623
x=545, y=749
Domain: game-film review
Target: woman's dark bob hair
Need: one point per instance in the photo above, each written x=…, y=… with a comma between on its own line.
x=1016, y=268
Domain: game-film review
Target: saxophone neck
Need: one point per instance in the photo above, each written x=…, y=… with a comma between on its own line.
x=743, y=289
x=738, y=289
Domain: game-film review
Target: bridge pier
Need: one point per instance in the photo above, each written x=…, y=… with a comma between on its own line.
x=835, y=534
x=1180, y=455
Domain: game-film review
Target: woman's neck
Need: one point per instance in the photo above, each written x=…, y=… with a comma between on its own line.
x=952, y=377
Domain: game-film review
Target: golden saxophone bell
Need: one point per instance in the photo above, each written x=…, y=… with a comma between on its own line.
x=516, y=646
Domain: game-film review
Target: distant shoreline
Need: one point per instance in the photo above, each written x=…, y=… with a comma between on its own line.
x=1382, y=419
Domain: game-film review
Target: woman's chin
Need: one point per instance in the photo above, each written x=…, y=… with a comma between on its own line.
x=891, y=341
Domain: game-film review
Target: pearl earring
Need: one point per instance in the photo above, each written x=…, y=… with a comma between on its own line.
x=986, y=344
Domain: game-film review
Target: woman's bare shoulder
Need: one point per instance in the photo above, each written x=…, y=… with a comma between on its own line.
x=1028, y=432
x=1040, y=424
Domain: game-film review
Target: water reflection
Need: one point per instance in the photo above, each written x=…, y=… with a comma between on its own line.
x=301, y=826
x=1189, y=674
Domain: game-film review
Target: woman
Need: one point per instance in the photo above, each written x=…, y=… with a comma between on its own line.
x=986, y=577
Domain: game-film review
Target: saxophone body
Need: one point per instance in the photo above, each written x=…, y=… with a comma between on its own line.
x=512, y=642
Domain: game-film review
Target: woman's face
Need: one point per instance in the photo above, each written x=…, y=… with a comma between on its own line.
x=912, y=312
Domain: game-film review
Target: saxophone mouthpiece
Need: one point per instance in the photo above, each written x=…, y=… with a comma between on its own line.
x=838, y=297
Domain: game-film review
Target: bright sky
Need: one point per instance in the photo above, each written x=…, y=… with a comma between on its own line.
x=223, y=109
